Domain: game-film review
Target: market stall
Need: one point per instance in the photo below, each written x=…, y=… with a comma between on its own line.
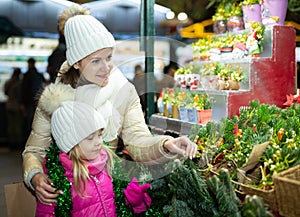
x=247, y=79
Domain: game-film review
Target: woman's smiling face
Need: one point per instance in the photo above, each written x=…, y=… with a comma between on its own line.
x=96, y=67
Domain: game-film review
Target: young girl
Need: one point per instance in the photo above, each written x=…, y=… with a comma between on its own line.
x=77, y=128
x=80, y=164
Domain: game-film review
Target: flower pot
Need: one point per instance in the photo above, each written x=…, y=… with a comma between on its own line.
x=170, y=109
x=166, y=110
x=251, y=13
x=234, y=85
x=192, y=115
x=222, y=85
x=209, y=82
x=235, y=23
x=204, y=116
x=180, y=79
x=192, y=81
x=160, y=106
x=175, y=111
x=220, y=26
x=228, y=85
x=183, y=114
x=274, y=12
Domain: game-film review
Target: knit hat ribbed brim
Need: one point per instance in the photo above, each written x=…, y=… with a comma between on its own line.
x=84, y=35
x=72, y=122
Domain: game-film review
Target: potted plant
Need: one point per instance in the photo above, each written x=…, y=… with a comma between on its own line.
x=192, y=76
x=201, y=49
x=229, y=78
x=235, y=21
x=274, y=11
x=177, y=101
x=251, y=12
x=203, y=104
x=191, y=107
x=179, y=76
x=208, y=76
x=221, y=16
x=255, y=39
x=168, y=96
x=180, y=103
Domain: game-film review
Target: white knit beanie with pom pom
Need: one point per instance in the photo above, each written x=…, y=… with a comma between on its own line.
x=71, y=121
x=84, y=35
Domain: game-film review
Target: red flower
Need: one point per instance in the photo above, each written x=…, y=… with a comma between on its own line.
x=236, y=129
x=297, y=98
x=290, y=100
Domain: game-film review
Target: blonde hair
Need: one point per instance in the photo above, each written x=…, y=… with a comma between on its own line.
x=80, y=171
x=68, y=13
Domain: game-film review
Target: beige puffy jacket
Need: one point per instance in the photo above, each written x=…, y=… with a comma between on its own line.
x=141, y=145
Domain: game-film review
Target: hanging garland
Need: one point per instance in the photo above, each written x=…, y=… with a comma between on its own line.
x=64, y=203
x=56, y=173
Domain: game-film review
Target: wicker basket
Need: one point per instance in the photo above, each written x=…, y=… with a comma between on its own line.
x=268, y=196
x=244, y=183
x=242, y=189
x=287, y=185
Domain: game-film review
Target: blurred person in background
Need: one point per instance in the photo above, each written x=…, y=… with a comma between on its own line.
x=168, y=79
x=32, y=84
x=12, y=90
x=58, y=56
x=139, y=82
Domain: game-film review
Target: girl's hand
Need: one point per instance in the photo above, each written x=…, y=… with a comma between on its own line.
x=137, y=197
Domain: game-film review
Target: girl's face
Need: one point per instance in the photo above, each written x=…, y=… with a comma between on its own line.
x=97, y=66
x=91, y=145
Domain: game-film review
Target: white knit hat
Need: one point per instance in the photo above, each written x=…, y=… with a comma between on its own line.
x=84, y=35
x=73, y=121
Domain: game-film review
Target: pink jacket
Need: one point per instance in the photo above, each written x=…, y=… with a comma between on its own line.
x=99, y=199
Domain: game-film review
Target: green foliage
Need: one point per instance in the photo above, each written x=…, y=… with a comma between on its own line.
x=251, y=2
x=224, y=193
x=120, y=182
x=184, y=192
x=294, y=6
x=233, y=139
x=254, y=207
x=226, y=8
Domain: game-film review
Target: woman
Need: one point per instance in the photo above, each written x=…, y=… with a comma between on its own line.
x=89, y=63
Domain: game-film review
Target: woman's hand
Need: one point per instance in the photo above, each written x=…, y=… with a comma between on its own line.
x=181, y=145
x=44, y=191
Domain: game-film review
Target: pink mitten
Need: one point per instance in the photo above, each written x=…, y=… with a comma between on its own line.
x=137, y=197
